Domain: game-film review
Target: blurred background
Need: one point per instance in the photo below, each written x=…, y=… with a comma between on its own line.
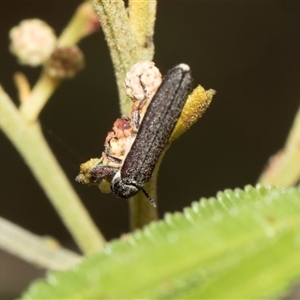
x=249, y=52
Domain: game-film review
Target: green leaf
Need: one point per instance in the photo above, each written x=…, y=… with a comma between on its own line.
x=241, y=244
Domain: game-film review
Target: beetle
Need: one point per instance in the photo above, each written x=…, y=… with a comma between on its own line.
x=152, y=137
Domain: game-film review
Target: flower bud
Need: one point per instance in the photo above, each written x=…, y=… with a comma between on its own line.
x=65, y=62
x=32, y=41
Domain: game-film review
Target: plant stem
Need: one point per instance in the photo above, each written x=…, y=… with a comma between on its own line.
x=46, y=86
x=284, y=167
x=43, y=252
x=142, y=20
x=121, y=42
x=141, y=212
x=38, y=97
x=77, y=28
x=29, y=140
x=23, y=86
x=130, y=41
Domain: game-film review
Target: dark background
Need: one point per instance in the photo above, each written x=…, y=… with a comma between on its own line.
x=248, y=51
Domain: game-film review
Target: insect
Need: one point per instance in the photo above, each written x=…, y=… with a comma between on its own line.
x=151, y=138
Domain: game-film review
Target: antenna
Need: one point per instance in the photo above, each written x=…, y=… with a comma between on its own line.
x=151, y=201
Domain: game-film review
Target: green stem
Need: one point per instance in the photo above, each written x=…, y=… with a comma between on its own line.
x=29, y=141
x=130, y=41
x=46, y=86
x=142, y=20
x=141, y=212
x=77, y=28
x=121, y=42
x=38, y=97
x=43, y=252
x=284, y=167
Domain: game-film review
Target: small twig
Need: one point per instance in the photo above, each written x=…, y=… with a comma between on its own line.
x=38, y=97
x=283, y=169
x=41, y=161
x=22, y=128
x=43, y=252
x=46, y=86
x=78, y=25
x=22, y=85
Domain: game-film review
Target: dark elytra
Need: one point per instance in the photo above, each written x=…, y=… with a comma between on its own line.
x=154, y=132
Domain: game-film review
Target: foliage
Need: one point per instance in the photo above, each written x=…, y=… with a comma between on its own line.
x=241, y=244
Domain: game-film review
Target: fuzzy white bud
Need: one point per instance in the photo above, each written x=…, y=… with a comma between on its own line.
x=32, y=41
